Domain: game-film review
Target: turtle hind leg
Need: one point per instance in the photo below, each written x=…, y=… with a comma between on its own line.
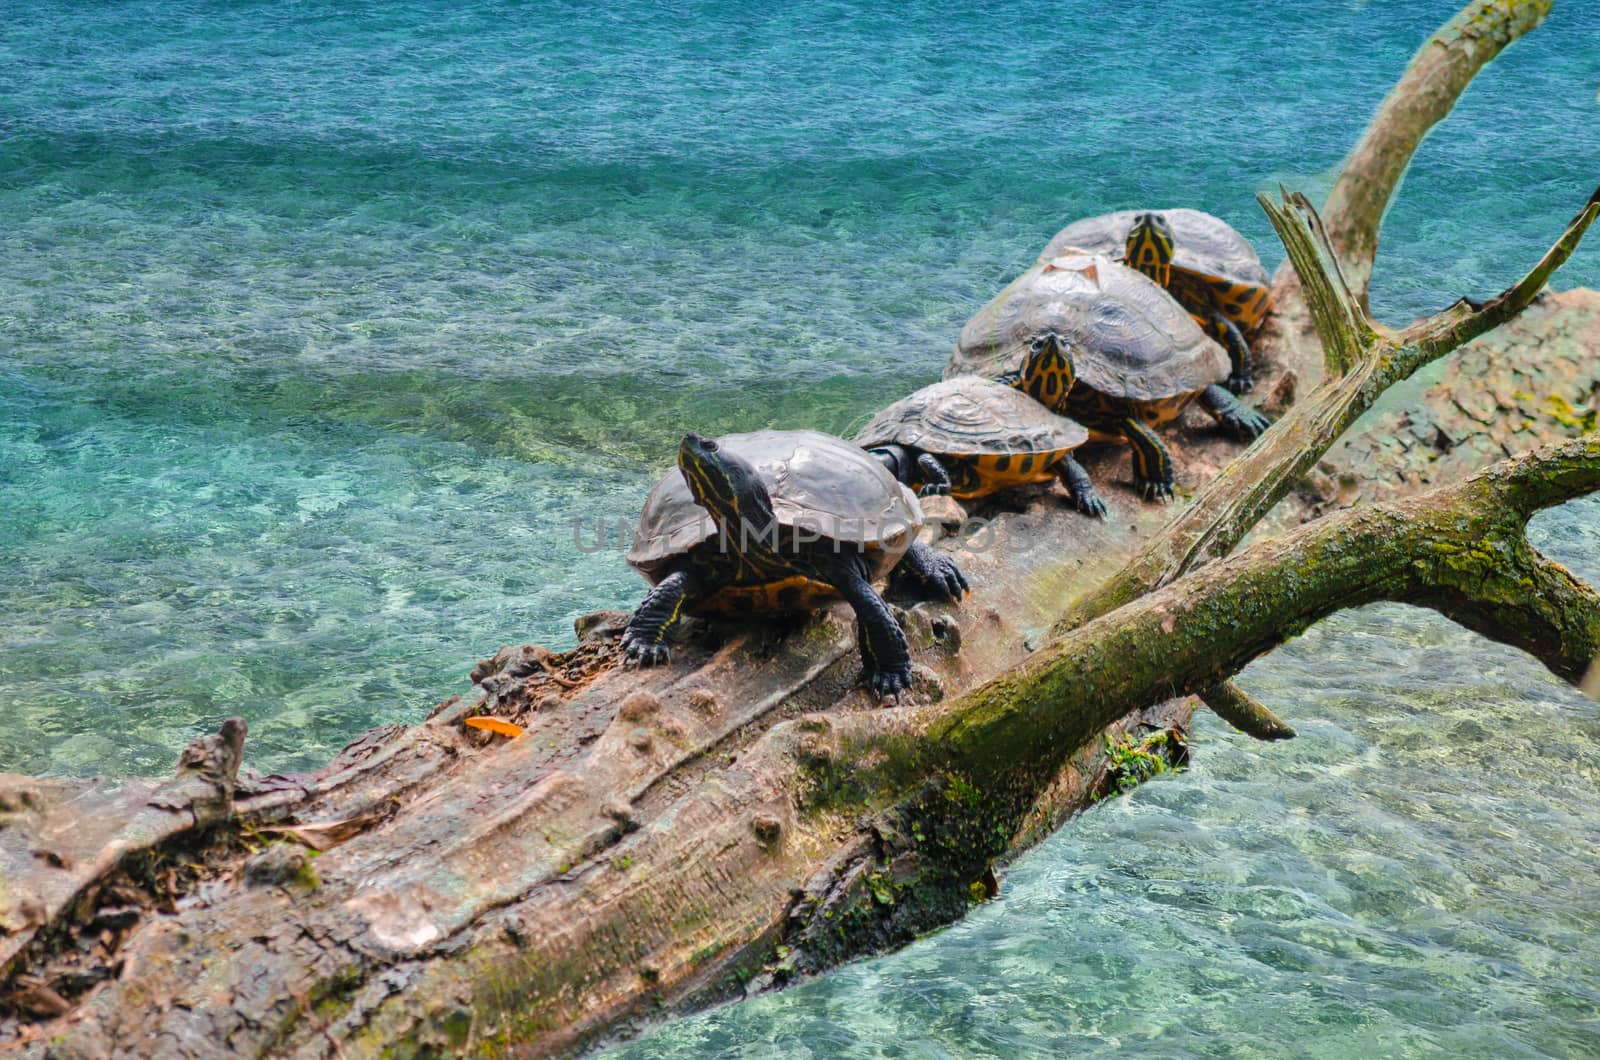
x=642, y=640
x=935, y=476
x=932, y=571
x=1237, y=418
x=885, y=656
x=1152, y=464
x=1079, y=485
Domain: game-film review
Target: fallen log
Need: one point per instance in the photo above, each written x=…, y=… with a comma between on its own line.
x=661, y=840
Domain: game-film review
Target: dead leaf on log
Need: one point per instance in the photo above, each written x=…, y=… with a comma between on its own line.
x=504, y=728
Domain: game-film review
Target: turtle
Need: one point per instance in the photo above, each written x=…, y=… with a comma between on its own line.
x=1135, y=358
x=780, y=520
x=969, y=436
x=1208, y=267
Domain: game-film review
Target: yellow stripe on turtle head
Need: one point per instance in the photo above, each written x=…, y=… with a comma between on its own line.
x=1149, y=247
x=708, y=480
x=1048, y=374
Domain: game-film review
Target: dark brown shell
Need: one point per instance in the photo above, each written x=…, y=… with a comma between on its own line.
x=1131, y=340
x=972, y=416
x=818, y=482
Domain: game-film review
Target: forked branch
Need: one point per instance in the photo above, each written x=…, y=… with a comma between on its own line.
x=1464, y=321
x=1370, y=359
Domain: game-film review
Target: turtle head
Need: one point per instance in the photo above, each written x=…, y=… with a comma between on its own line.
x=726, y=485
x=1149, y=247
x=1047, y=373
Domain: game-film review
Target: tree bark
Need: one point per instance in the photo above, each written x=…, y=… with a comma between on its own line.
x=661, y=840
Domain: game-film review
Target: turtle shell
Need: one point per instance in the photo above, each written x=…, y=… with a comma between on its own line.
x=1133, y=341
x=1204, y=246
x=818, y=483
x=972, y=416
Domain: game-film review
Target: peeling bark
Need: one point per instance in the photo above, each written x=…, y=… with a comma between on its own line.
x=660, y=840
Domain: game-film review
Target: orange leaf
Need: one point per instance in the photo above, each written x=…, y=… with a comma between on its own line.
x=504, y=728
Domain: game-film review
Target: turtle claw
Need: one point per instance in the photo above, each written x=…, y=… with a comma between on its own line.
x=644, y=654
x=948, y=579
x=889, y=683
x=1090, y=504
x=1152, y=490
x=928, y=572
x=934, y=489
x=1246, y=424
x=1239, y=420
x=1241, y=382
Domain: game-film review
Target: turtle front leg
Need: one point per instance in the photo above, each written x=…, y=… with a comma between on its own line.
x=885, y=656
x=1242, y=376
x=1237, y=418
x=1152, y=464
x=1078, y=484
x=908, y=470
x=935, y=477
x=642, y=641
x=897, y=459
x=933, y=571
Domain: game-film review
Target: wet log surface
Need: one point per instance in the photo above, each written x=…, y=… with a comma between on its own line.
x=660, y=840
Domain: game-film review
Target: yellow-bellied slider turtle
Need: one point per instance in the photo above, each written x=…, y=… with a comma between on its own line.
x=969, y=436
x=1136, y=358
x=1208, y=267
x=781, y=520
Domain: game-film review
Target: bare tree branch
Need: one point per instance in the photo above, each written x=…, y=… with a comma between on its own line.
x=1244, y=712
x=1464, y=321
x=1440, y=71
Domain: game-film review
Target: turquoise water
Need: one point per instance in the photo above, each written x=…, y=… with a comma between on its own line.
x=320, y=324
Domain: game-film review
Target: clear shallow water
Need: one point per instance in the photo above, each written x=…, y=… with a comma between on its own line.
x=319, y=324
